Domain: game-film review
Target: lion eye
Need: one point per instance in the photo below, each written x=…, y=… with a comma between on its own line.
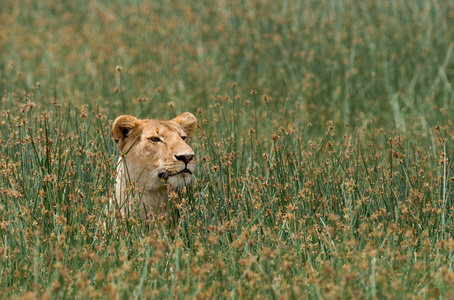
x=155, y=139
x=184, y=138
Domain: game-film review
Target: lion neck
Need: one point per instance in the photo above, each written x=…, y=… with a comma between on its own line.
x=132, y=186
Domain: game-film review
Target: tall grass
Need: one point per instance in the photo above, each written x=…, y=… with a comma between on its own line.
x=324, y=150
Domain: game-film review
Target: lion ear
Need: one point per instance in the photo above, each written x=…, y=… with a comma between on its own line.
x=187, y=121
x=124, y=127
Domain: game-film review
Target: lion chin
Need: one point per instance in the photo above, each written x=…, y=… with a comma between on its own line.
x=154, y=154
x=179, y=180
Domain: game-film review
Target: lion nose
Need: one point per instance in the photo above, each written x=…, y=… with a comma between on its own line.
x=186, y=158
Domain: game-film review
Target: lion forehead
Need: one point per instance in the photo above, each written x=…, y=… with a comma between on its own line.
x=160, y=128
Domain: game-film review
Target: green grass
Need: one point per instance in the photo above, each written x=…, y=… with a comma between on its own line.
x=324, y=151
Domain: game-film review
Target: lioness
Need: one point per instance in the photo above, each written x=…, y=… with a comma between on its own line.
x=154, y=154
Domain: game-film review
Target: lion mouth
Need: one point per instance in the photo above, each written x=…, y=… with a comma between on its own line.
x=166, y=174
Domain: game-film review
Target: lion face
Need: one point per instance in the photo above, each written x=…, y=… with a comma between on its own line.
x=156, y=151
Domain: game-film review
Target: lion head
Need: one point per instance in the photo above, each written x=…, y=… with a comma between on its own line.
x=155, y=153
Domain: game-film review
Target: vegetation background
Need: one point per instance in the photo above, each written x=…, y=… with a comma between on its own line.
x=324, y=151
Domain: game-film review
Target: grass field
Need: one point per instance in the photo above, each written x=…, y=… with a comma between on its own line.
x=325, y=149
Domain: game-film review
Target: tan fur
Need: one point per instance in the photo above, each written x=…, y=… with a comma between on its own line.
x=153, y=153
